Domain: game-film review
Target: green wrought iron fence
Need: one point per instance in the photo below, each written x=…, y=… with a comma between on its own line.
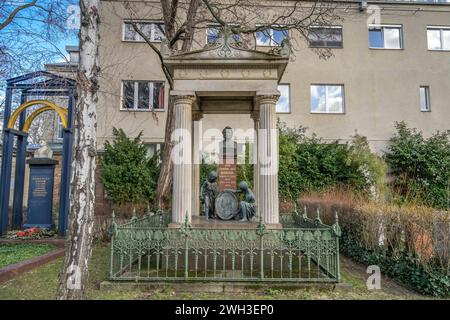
x=304, y=250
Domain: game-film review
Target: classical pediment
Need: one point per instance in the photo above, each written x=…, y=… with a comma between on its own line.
x=228, y=54
x=221, y=51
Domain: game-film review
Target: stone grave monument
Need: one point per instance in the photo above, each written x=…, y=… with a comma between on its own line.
x=40, y=194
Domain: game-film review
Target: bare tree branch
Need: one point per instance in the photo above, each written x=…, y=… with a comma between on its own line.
x=14, y=13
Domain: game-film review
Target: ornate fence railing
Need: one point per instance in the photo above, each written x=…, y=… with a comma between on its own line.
x=146, y=249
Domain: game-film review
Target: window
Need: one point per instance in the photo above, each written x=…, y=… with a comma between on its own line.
x=325, y=37
x=153, y=30
x=152, y=149
x=212, y=34
x=385, y=37
x=425, y=98
x=284, y=101
x=270, y=37
x=327, y=98
x=142, y=95
x=74, y=57
x=438, y=38
x=60, y=133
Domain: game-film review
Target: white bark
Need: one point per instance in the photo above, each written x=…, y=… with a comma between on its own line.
x=74, y=274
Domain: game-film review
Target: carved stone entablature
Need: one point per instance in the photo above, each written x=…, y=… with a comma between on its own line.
x=228, y=59
x=226, y=72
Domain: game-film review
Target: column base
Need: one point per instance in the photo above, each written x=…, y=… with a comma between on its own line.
x=274, y=226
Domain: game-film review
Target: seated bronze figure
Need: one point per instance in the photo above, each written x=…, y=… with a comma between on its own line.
x=247, y=207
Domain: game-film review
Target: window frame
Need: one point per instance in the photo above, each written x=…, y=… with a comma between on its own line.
x=157, y=145
x=135, y=109
x=60, y=131
x=383, y=26
x=215, y=25
x=441, y=34
x=271, y=40
x=343, y=112
x=427, y=98
x=152, y=40
x=328, y=27
x=289, y=97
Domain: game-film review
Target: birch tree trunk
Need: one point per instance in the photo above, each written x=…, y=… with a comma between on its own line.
x=163, y=188
x=74, y=273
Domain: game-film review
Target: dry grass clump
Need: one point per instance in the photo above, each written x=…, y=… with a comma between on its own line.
x=419, y=231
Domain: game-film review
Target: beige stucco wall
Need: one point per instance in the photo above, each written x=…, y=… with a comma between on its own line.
x=381, y=86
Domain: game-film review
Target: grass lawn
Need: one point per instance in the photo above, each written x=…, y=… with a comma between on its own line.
x=11, y=253
x=41, y=283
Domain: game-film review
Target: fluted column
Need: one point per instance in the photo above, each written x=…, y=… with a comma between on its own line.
x=255, y=116
x=268, y=159
x=196, y=160
x=182, y=158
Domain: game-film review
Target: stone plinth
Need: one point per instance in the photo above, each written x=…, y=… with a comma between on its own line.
x=202, y=223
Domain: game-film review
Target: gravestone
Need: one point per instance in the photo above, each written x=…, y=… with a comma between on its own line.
x=40, y=194
x=227, y=161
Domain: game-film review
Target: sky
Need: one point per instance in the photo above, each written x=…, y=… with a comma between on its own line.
x=35, y=37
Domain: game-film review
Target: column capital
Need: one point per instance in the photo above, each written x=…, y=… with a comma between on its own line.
x=197, y=115
x=180, y=95
x=254, y=115
x=267, y=97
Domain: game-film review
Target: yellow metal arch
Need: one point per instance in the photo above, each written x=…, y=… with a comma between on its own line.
x=47, y=106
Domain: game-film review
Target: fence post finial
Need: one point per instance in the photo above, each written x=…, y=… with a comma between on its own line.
x=113, y=229
x=134, y=217
x=336, y=227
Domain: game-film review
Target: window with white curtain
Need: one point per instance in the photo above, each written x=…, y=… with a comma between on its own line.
x=425, y=98
x=438, y=38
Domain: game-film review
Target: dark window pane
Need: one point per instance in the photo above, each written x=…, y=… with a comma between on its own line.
x=376, y=38
x=158, y=32
x=158, y=95
x=143, y=95
x=325, y=37
x=129, y=33
x=146, y=29
x=128, y=94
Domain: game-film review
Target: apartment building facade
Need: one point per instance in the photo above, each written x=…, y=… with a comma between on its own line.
x=390, y=61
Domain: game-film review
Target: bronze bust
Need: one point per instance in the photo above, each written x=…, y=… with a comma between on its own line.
x=228, y=147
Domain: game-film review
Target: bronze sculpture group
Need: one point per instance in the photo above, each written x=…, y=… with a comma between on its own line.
x=209, y=196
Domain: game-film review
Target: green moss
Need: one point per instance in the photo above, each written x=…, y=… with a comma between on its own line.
x=14, y=253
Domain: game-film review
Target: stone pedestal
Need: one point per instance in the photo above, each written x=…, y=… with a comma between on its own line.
x=40, y=194
x=227, y=173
